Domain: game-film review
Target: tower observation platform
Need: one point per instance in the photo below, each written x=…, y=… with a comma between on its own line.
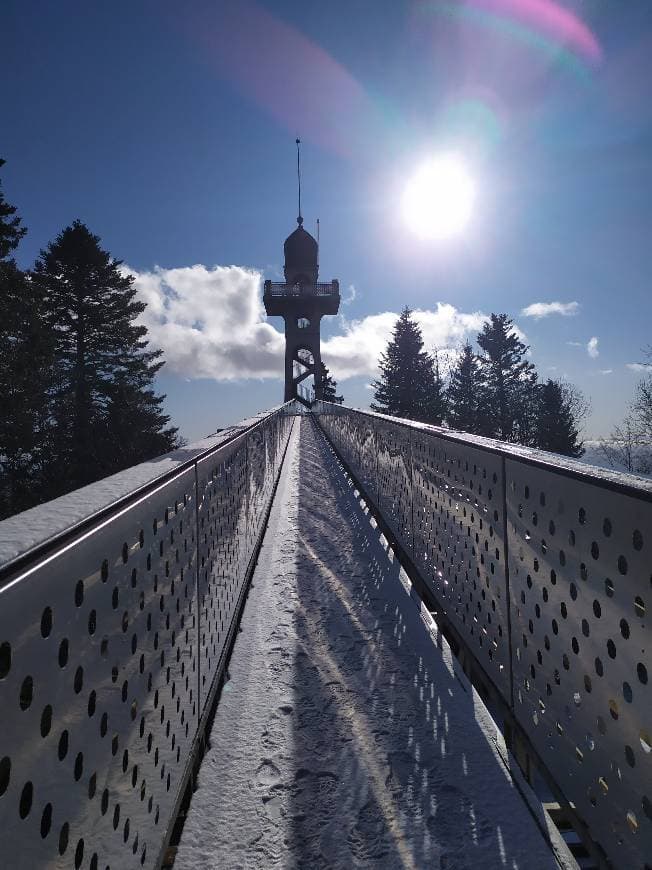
x=277, y=295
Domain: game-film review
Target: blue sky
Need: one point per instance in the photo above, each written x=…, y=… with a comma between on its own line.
x=169, y=129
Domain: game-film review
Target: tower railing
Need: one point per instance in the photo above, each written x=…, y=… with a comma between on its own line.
x=542, y=568
x=118, y=606
x=319, y=289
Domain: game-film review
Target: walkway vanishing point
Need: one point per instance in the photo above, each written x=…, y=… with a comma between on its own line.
x=345, y=733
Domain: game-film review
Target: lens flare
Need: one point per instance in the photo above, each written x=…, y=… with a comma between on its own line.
x=438, y=200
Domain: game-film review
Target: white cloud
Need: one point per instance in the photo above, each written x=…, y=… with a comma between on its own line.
x=210, y=323
x=352, y=294
x=606, y=371
x=575, y=343
x=357, y=350
x=544, y=309
x=592, y=347
x=639, y=367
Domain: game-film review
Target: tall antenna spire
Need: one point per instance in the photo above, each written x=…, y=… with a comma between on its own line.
x=300, y=218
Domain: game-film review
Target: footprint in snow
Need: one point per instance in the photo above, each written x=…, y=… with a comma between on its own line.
x=268, y=774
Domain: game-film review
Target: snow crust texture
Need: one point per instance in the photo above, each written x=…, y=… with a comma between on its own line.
x=345, y=736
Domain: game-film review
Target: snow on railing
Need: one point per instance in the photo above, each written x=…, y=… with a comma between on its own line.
x=117, y=607
x=543, y=566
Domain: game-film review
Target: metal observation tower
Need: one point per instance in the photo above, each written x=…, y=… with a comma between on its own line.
x=302, y=302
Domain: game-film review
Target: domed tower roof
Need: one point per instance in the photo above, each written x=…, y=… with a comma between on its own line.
x=301, y=257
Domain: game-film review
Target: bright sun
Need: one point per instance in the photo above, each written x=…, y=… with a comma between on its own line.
x=438, y=201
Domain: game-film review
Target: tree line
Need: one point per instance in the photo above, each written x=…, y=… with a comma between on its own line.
x=629, y=446
x=494, y=391
x=76, y=370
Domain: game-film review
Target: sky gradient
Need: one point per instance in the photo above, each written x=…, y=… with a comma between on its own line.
x=169, y=129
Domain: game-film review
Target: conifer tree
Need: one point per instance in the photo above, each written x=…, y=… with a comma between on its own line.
x=11, y=231
x=465, y=393
x=24, y=375
x=105, y=414
x=329, y=385
x=556, y=428
x=436, y=398
x=407, y=380
x=508, y=396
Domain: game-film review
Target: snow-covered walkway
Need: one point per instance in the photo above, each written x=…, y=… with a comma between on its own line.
x=346, y=736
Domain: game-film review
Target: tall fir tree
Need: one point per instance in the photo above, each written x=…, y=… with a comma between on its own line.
x=106, y=415
x=556, y=428
x=25, y=365
x=329, y=385
x=508, y=396
x=465, y=394
x=11, y=231
x=407, y=380
x=437, y=397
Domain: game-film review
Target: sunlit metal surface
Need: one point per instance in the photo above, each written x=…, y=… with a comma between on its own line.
x=460, y=544
x=556, y=612
x=109, y=647
x=581, y=579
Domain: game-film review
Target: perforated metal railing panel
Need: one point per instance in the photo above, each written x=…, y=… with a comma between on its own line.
x=460, y=544
x=109, y=647
x=223, y=546
x=581, y=588
x=395, y=479
x=99, y=700
x=555, y=609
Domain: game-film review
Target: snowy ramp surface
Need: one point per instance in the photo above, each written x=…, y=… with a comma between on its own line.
x=346, y=736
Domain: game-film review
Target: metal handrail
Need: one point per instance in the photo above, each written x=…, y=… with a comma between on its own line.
x=619, y=481
x=42, y=548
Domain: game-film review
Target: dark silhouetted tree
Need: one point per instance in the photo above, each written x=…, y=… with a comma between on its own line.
x=25, y=366
x=508, y=396
x=556, y=426
x=105, y=413
x=329, y=386
x=11, y=231
x=407, y=379
x=465, y=394
x=436, y=398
